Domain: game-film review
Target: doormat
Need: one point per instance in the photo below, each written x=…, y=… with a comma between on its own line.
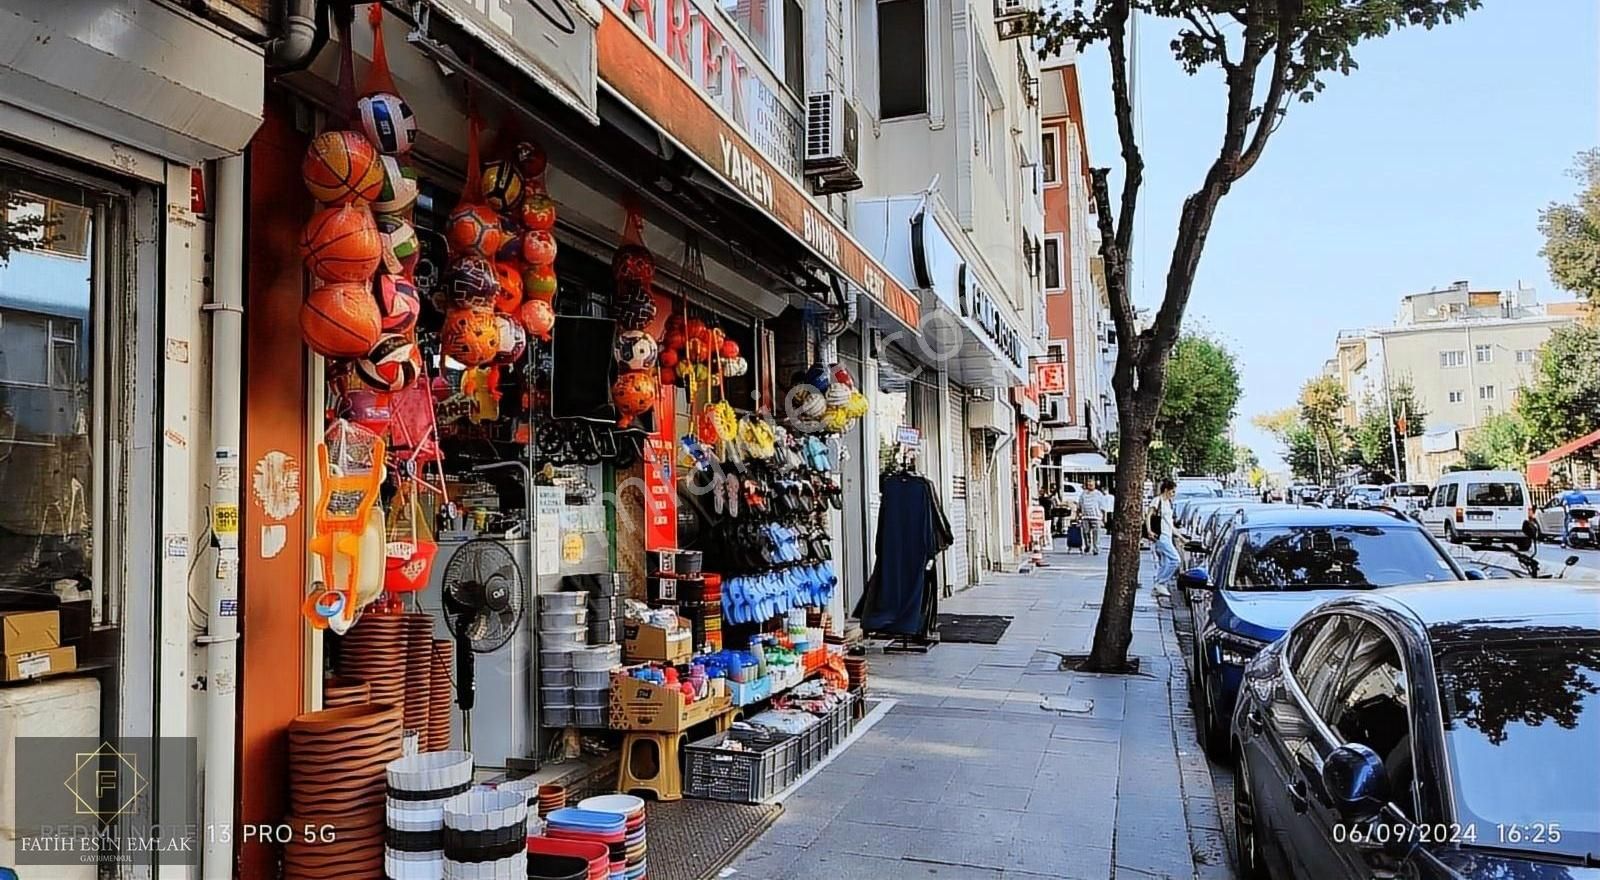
x=973, y=629
x=695, y=839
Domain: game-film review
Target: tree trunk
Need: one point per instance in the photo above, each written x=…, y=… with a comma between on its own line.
x=1114, y=630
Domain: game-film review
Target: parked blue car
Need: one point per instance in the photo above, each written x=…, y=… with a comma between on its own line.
x=1273, y=566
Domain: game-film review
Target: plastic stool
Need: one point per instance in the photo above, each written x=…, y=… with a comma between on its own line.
x=650, y=763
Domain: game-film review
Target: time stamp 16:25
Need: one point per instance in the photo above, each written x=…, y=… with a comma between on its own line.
x=1500, y=834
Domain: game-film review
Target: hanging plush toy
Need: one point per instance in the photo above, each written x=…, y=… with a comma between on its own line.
x=634, y=393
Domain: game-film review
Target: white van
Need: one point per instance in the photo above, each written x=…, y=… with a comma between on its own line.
x=1480, y=507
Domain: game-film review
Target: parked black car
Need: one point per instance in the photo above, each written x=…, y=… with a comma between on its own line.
x=1426, y=732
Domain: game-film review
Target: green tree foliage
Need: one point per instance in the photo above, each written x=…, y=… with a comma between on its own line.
x=1301, y=452
x=1202, y=393
x=1571, y=232
x=19, y=229
x=1372, y=442
x=1563, y=403
x=1500, y=443
x=1321, y=402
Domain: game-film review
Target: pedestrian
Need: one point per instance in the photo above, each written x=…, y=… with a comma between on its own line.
x=1162, y=533
x=1091, y=513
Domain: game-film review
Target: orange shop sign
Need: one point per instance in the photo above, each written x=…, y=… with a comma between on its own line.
x=637, y=71
x=1050, y=377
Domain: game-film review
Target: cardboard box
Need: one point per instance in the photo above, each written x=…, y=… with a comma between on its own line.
x=52, y=661
x=23, y=632
x=642, y=705
x=642, y=642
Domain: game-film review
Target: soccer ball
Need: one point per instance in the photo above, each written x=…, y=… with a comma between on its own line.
x=636, y=350
x=501, y=184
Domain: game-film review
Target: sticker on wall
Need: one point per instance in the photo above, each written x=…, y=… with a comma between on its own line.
x=175, y=546
x=175, y=439
x=177, y=350
x=572, y=549
x=274, y=538
x=276, y=485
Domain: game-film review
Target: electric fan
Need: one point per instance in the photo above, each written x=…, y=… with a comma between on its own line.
x=484, y=594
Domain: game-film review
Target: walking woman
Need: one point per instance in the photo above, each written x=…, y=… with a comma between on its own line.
x=1162, y=532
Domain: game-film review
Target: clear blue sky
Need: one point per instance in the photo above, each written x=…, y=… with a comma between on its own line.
x=1427, y=165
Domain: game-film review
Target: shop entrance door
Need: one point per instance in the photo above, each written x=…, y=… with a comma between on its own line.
x=854, y=551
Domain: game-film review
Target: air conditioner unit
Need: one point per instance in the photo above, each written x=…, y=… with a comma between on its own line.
x=832, y=142
x=990, y=416
x=1050, y=411
x=1014, y=19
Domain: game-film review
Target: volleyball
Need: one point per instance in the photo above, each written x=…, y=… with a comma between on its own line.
x=399, y=240
x=388, y=122
x=393, y=363
x=501, y=184
x=340, y=320
x=341, y=167
x=341, y=244
x=474, y=229
x=398, y=195
x=398, y=304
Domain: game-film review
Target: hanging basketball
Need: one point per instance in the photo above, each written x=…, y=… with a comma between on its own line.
x=398, y=304
x=538, y=318
x=636, y=350
x=340, y=320
x=399, y=241
x=539, y=247
x=388, y=122
x=501, y=184
x=341, y=167
x=513, y=340
x=341, y=244
x=470, y=337
x=634, y=393
x=471, y=282
x=540, y=282
x=393, y=363
x=509, y=296
x=398, y=194
x=538, y=211
x=474, y=229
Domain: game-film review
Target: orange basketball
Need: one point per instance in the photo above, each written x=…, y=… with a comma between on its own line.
x=341, y=320
x=342, y=244
x=341, y=167
x=510, y=295
x=470, y=336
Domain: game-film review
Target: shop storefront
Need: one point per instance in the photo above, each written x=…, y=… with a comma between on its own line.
x=105, y=436
x=563, y=416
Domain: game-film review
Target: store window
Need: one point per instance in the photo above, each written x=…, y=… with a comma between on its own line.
x=776, y=28
x=1050, y=157
x=1052, y=263
x=902, y=59
x=794, y=47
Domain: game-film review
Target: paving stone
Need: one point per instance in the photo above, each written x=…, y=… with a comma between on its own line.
x=1061, y=862
x=865, y=838
x=1001, y=797
x=963, y=849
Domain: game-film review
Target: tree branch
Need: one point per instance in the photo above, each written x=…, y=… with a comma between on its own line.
x=1122, y=105
x=1276, y=103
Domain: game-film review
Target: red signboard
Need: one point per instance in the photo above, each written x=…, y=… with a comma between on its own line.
x=660, y=492
x=1050, y=377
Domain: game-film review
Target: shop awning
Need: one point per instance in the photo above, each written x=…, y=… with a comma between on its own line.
x=638, y=72
x=1086, y=463
x=1539, y=468
x=552, y=42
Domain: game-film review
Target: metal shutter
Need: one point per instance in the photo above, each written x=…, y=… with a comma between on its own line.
x=958, y=571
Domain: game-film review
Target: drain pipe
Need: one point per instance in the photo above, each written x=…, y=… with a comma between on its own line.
x=299, y=38
x=222, y=612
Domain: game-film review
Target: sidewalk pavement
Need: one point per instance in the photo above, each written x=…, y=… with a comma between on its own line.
x=968, y=777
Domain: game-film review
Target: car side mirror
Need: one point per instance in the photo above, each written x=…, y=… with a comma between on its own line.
x=1194, y=547
x=1572, y=560
x=1476, y=574
x=1196, y=578
x=1353, y=777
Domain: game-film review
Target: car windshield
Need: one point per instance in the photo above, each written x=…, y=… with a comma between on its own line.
x=1348, y=557
x=1522, y=728
x=1494, y=495
x=1409, y=490
x=1369, y=492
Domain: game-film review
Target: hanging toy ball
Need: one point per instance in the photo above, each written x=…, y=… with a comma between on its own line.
x=841, y=376
x=730, y=349
x=342, y=167
x=513, y=340
x=340, y=320
x=675, y=340
x=539, y=247
x=530, y=160
x=341, y=244
x=471, y=283
x=510, y=295
x=388, y=122
x=501, y=184
x=837, y=396
x=470, y=337
x=538, y=211
x=539, y=282
x=538, y=318
x=857, y=407
x=734, y=367
x=667, y=358
x=475, y=230
x=632, y=264
x=695, y=328
x=398, y=195
x=398, y=304
x=636, y=350
x=400, y=250
x=393, y=363
x=835, y=420
x=634, y=393
x=806, y=402
x=817, y=377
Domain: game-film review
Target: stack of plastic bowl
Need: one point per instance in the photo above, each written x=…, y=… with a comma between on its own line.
x=591, y=684
x=631, y=809
x=419, y=674
x=338, y=691
x=374, y=651
x=486, y=835
x=596, y=854
x=336, y=783
x=562, y=630
x=552, y=797
x=419, y=785
x=440, y=695
x=610, y=829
